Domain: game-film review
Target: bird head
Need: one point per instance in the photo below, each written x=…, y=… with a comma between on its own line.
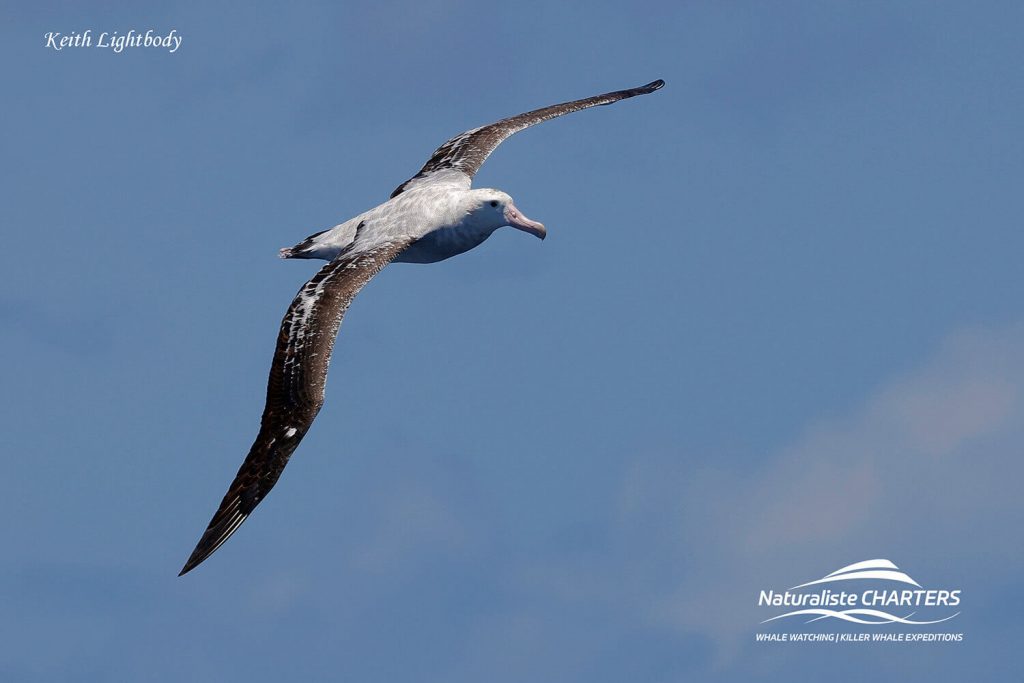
x=494, y=207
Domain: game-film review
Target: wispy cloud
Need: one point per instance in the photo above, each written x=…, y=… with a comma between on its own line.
x=925, y=461
x=913, y=473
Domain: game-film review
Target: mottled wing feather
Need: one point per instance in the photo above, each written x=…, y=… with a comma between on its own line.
x=467, y=152
x=295, y=390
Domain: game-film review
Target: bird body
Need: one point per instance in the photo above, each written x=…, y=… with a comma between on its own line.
x=443, y=217
x=430, y=217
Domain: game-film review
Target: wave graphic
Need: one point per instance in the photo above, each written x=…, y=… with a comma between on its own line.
x=853, y=615
x=868, y=569
x=866, y=564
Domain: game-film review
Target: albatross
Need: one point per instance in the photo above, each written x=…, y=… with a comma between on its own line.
x=430, y=217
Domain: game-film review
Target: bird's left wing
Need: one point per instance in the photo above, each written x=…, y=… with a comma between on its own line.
x=295, y=390
x=464, y=154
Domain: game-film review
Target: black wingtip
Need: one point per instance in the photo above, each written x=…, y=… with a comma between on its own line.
x=202, y=551
x=193, y=562
x=200, y=554
x=222, y=527
x=652, y=86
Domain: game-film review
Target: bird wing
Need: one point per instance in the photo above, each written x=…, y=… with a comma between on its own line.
x=466, y=153
x=295, y=390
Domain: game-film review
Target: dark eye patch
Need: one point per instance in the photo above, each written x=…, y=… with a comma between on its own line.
x=494, y=202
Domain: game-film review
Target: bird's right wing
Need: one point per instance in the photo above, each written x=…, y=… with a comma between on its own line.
x=466, y=153
x=295, y=390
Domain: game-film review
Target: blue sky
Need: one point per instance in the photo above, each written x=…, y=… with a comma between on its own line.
x=776, y=328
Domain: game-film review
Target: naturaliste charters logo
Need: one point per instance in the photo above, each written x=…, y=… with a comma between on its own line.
x=869, y=593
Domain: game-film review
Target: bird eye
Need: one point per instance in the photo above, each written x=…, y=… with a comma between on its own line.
x=494, y=202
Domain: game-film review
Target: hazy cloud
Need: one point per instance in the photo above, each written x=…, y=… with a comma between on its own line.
x=925, y=460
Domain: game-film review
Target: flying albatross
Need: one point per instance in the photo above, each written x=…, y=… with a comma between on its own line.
x=430, y=217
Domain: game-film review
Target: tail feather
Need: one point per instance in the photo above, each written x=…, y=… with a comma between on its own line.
x=303, y=248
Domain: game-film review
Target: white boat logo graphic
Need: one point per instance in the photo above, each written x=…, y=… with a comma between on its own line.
x=868, y=569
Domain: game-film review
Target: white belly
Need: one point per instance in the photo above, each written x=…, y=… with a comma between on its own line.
x=441, y=244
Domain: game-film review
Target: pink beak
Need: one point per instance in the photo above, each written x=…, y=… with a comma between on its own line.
x=517, y=220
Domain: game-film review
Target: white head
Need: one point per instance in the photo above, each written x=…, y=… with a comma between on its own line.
x=495, y=208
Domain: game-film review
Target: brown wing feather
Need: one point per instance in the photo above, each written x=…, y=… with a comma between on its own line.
x=295, y=390
x=468, y=151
